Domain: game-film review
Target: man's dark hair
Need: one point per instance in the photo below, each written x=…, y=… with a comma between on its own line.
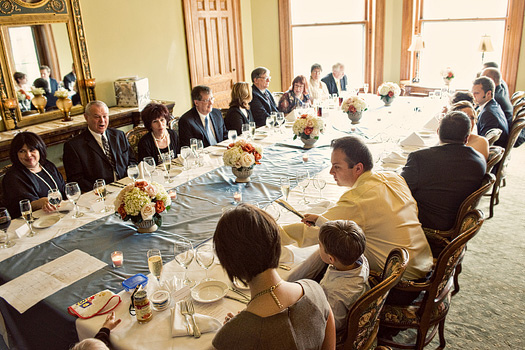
x=454, y=127
x=486, y=83
x=315, y=66
x=492, y=73
x=197, y=90
x=344, y=240
x=42, y=83
x=462, y=96
x=356, y=151
x=490, y=65
x=257, y=72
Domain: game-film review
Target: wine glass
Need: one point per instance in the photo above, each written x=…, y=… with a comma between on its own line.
x=365, y=88
x=155, y=263
x=185, y=152
x=280, y=121
x=245, y=128
x=73, y=194
x=166, y=163
x=319, y=184
x=100, y=189
x=184, y=256
x=54, y=197
x=269, y=121
x=5, y=221
x=303, y=180
x=285, y=187
x=252, y=130
x=27, y=214
x=149, y=165
x=133, y=172
x=205, y=258
x=232, y=135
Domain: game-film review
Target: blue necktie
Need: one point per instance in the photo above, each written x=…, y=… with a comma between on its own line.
x=209, y=133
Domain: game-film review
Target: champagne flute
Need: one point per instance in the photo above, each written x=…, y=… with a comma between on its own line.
x=252, y=130
x=185, y=152
x=200, y=152
x=166, y=163
x=194, y=145
x=232, y=135
x=285, y=187
x=155, y=263
x=27, y=214
x=205, y=258
x=100, y=190
x=149, y=165
x=133, y=172
x=73, y=194
x=54, y=197
x=5, y=221
x=184, y=256
x=319, y=184
x=365, y=88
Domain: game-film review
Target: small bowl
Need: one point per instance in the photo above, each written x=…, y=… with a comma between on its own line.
x=160, y=300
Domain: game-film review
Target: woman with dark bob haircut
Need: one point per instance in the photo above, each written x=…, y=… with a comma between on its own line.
x=280, y=315
x=239, y=112
x=31, y=176
x=159, y=139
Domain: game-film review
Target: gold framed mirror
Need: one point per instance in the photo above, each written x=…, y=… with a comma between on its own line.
x=37, y=33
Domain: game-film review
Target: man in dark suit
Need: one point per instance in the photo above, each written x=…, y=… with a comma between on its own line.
x=501, y=95
x=262, y=103
x=202, y=122
x=70, y=79
x=441, y=177
x=45, y=73
x=337, y=80
x=97, y=153
x=490, y=113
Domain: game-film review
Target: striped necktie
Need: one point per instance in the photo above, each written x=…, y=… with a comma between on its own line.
x=209, y=133
x=107, y=151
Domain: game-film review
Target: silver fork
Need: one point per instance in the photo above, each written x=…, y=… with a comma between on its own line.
x=191, y=311
x=186, y=314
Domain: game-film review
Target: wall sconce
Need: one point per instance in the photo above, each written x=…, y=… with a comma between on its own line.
x=417, y=46
x=485, y=45
x=90, y=84
x=12, y=104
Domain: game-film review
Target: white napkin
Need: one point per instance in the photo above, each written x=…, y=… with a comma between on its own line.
x=290, y=117
x=395, y=158
x=178, y=323
x=432, y=124
x=413, y=140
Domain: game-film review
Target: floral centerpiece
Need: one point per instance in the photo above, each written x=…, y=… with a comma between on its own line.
x=143, y=202
x=37, y=91
x=39, y=100
x=388, y=91
x=62, y=93
x=64, y=103
x=308, y=127
x=447, y=74
x=354, y=106
x=242, y=156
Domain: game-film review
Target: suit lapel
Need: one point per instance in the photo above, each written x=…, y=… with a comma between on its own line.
x=198, y=123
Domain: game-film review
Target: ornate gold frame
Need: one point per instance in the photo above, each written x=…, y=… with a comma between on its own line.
x=19, y=12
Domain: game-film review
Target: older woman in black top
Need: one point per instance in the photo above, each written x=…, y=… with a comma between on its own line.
x=31, y=176
x=160, y=139
x=239, y=112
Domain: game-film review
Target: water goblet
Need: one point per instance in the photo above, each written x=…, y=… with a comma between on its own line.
x=205, y=258
x=100, y=189
x=133, y=172
x=185, y=152
x=73, y=194
x=274, y=211
x=303, y=180
x=245, y=128
x=184, y=256
x=27, y=215
x=200, y=153
x=232, y=135
x=54, y=197
x=269, y=121
x=149, y=165
x=5, y=221
x=280, y=121
x=155, y=263
x=319, y=184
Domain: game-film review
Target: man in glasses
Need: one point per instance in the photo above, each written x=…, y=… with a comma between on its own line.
x=202, y=122
x=262, y=102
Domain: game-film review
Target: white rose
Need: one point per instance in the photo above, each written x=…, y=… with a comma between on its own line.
x=247, y=160
x=148, y=211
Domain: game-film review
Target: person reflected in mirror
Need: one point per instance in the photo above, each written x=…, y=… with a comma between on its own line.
x=31, y=175
x=22, y=91
x=296, y=96
x=337, y=80
x=70, y=79
x=45, y=73
x=239, y=112
x=263, y=103
x=51, y=99
x=317, y=88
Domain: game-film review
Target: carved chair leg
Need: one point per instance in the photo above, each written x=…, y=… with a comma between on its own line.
x=421, y=337
x=442, y=341
x=456, y=279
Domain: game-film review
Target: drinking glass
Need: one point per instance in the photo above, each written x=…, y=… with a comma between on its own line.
x=155, y=263
x=205, y=258
x=184, y=256
x=73, y=194
x=100, y=189
x=274, y=119
x=365, y=88
x=27, y=215
x=5, y=221
x=274, y=211
x=193, y=146
x=252, y=130
x=54, y=197
x=149, y=165
x=319, y=184
x=245, y=131
x=269, y=121
x=232, y=135
x=200, y=153
x=185, y=152
x=166, y=163
x=303, y=180
x=280, y=121
x=133, y=172
x=285, y=187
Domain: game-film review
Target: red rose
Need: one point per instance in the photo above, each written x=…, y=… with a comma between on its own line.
x=450, y=75
x=390, y=93
x=303, y=116
x=308, y=130
x=248, y=148
x=141, y=184
x=159, y=206
x=352, y=109
x=122, y=211
x=257, y=156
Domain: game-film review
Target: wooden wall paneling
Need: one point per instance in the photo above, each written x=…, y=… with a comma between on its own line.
x=512, y=43
x=406, y=38
x=379, y=44
x=286, y=44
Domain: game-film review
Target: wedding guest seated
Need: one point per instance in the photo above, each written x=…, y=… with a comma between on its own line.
x=441, y=177
x=462, y=96
x=296, y=97
x=501, y=95
x=492, y=64
x=159, y=139
x=51, y=99
x=101, y=339
x=24, y=98
x=479, y=143
x=317, y=88
x=202, y=122
x=262, y=102
x=31, y=176
x=98, y=152
x=239, y=112
x=45, y=73
x=280, y=315
x=337, y=80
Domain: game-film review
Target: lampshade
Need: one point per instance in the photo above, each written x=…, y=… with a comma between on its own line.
x=485, y=44
x=417, y=43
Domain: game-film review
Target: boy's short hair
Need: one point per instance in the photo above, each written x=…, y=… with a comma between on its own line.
x=343, y=239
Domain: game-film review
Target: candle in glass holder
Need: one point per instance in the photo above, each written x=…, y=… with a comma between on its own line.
x=117, y=258
x=305, y=157
x=237, y=197
x=173, y=194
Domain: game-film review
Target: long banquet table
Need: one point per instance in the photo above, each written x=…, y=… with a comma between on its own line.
x=202, y=194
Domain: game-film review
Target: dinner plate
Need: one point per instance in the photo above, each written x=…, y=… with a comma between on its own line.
x=209, y=291
x=218, y=152
x=46, y=221
x=259, y=137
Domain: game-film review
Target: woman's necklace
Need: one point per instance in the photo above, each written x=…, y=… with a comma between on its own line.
x=157, y=145
x=270, y=290
x=44, y=181
x=163, y=137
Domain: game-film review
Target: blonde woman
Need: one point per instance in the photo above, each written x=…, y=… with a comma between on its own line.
x=239, y=112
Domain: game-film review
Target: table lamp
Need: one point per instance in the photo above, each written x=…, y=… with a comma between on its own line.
x=417, y=46
x=485, y=45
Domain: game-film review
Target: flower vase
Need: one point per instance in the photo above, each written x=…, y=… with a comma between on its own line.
x=146, y=226
x=242, y=174
x=355, y=117
x=387, y=100
x=40, y=101
x=65, y=104
x=308, y=143
x=447, y=82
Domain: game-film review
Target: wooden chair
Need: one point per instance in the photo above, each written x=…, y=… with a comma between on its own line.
x=3, y=171
x=493, y=135
x=517, y=96
x=517, y=126
x=363, y=316
x=495, y=155
x=134, y=136
x=428, y=313
x=517, y=109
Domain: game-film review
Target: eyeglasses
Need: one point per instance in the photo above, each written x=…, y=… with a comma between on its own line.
x=265, y=78
x=211, y=99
